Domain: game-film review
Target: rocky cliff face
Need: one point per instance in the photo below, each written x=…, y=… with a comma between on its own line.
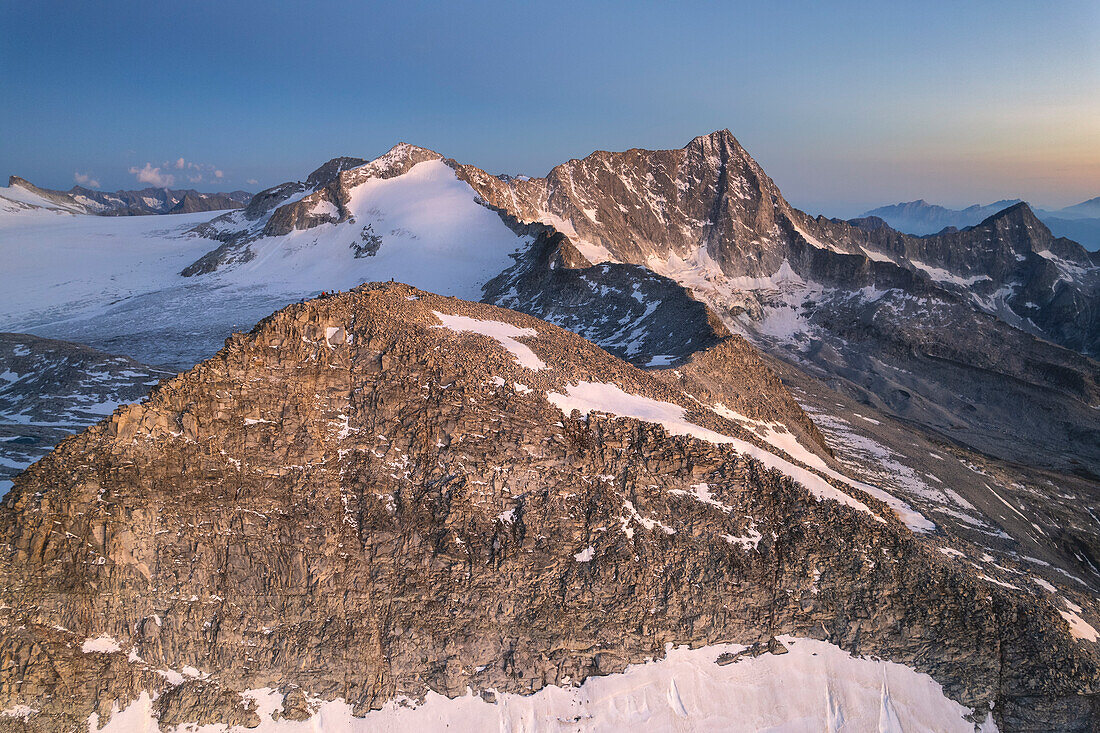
x=1009, y=265
x=709, y=211
x=381, y=494
x=647, y=319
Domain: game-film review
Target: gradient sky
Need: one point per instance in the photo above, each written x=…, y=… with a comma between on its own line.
x=847, y=105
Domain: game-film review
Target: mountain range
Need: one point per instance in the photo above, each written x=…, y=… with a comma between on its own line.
x=696, y=458
x=1080, y=222
x=80, y=200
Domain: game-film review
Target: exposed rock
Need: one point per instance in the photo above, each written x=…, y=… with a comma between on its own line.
x=204, y=703
x=947, y=331
x=628, y=310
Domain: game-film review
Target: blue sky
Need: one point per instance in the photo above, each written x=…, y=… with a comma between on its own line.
x=847, y=105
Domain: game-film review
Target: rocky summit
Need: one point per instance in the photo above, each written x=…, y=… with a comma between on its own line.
x=386, y=497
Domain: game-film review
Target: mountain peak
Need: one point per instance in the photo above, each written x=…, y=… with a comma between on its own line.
x=1019, y=212
x=329, y=170
x=722, y=139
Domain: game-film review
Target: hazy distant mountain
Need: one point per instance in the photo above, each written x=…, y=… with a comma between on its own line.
x=920, y=217
x=1090, y=208
x=80, y=200
x=1080, y=222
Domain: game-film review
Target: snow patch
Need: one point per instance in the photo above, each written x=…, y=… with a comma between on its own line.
x=586, y=554
x=1080, y=628
x=324, y=207
x=102, y=644
x=588, y=396
x=505, y=334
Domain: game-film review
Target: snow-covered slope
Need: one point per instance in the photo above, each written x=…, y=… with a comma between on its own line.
x=28, y=200
x=114, y=282
x=430, y=231
x=22, y=195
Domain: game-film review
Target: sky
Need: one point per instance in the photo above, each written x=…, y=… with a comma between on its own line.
x=847, y=105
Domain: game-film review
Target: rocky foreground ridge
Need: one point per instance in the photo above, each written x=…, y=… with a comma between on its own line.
x=368, y=497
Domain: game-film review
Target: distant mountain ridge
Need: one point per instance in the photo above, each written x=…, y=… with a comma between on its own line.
x=147, y=201
x=1080, y=222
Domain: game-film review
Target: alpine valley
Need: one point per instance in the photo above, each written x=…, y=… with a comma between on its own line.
x=637, y=444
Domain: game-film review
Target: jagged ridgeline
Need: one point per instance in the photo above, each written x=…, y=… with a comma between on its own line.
x=391, y=495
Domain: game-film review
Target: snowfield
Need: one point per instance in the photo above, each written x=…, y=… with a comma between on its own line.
x=114, y=282
x=814, y=687
x=434, y=235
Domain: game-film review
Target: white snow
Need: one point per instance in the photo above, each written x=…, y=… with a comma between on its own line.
x=1043, y=584
x=64, y=266
x=324, y=207
x=748, y=541
x=434, y=236
x=102, y=644
x=589, y=396
x=816, y=686
x=504, y=333
x=946, y=276
x=1080, y=628
x=19, y=200
x=815, y=241
x=877, y=256
x=18, y=711
x=701, y=493
x=586, y=554
x=591, y=251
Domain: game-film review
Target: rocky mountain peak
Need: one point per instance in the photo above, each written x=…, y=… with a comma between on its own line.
x=719, y=140
x=329, y=170
x=1018, y=213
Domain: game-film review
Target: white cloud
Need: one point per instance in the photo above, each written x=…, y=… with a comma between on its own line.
x=153, y=176
x=162, y=177
x=252, y=182
x=85, y=179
